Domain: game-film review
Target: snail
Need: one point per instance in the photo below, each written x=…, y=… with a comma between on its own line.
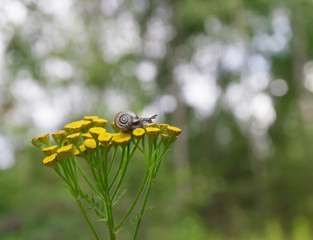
x=128, y=121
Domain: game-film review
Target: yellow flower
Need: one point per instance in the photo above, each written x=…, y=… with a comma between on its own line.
x=152, y=132
x=90, y=145
x=173, y=131
x=40, y=140
x=50, y=150
x=138, y=133
x=90, y=118
x=121, y=139
x=86, y=136
x=96, y=131
x=78, y=126
x=65, y=152
x=82, y=149
x=86, y=124
x=163, y=127
x=150, y=125
x=73, y=127
x=100, y=122
x=59, y=136
x=165, y=138
x=73, y=138
x=50, y=161
x=105, y=138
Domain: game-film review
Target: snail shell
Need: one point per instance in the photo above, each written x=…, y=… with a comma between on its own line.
x=128, y=121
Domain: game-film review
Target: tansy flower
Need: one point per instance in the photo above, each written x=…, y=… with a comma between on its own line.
x=82, y=149
x=86, y=124
x=40, y=140
x=50, y=150
x=150, y=125
x=96, y=131
x=173, y=131
x=152, y=132
x=138, y=133
x=100, y=122
x=163, y=127
x=64, y=152
x=90, y=118
x=105, y=138
x=73, y=138
x=165, y=138
x=90, y=145
x=73, y=127
x=86, y=136
x=50, y=161
x=121, y=139
x=59, y=136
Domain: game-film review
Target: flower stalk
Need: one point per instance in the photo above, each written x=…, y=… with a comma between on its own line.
x=88, y=140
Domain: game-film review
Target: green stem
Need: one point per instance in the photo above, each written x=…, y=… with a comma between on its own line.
x=112, y=161
x=143, y=209
x=86, y=218
x=146, y=177
x=118, y=170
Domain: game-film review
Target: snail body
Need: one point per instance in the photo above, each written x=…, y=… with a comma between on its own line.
x=128, y=121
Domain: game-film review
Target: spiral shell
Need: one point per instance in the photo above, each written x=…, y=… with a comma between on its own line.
x=128, y=121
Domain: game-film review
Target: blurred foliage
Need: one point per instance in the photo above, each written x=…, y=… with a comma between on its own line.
x=237, y=191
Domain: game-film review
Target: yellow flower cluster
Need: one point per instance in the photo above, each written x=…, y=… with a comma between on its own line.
x=82, y=137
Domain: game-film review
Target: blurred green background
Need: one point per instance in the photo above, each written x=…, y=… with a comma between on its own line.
x=236, y=76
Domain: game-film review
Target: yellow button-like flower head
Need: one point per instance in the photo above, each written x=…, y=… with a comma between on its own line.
x=100, y=122
x=121, y=139
x=152, y=132
x=86, y=136
x=50, y=150
x=64, y=152
x=90, y=118
x=138, y=133
x=105, y=138
x=163, y=127
x=73, y=127
x=59, y=136
x=50, y=161
x=73, y=138
x=150, y=125
x=96, y=131
x=86, y=124
x=41, y=140
x=165, y=138
x=90, y=145
x=173, y=131
x=82, y=149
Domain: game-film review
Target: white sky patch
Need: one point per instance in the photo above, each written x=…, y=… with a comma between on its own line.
x=57, y=68
x=279, y=87
x=15, y=11
x=115, y=100
x=146, y=71
x=109, y=7
x=199, y=90
x=59, y=8
x=158, y=34
x=256, y=81
x=167, y=103
x=233, y=57
x=308, y=75
x=120, y=36
x=277, y=41
x=6, y=153
x=262, y=110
